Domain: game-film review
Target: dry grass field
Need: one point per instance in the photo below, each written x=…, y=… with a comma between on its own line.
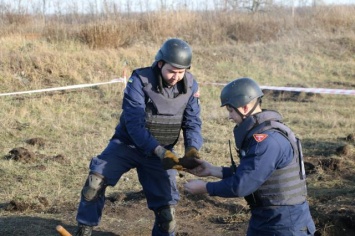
x=47, y=139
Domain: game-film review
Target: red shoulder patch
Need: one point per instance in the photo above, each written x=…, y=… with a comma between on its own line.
x=260, y=137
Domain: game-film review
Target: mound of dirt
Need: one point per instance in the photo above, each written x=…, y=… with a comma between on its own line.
x=21, y=154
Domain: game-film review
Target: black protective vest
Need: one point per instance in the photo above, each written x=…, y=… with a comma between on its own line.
x=286, y=186
x=164, y=115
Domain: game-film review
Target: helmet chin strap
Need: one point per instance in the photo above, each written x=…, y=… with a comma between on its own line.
x=258, y=101
x=159, y=76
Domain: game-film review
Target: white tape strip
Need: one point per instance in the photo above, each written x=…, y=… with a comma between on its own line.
x=117, y=80
x=123, y=80
x=306, y=90
x=312, y=90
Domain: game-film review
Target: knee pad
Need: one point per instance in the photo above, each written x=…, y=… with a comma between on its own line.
x=94, y=187
x=165, y=219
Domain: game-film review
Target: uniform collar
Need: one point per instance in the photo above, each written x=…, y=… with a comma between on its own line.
x=241, y=131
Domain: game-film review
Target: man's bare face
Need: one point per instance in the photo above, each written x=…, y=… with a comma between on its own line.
x=171, y=74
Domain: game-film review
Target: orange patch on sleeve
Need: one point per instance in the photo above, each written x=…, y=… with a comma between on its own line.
x=260, y=137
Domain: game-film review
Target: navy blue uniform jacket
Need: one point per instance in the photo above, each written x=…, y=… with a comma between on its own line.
x=132, y=127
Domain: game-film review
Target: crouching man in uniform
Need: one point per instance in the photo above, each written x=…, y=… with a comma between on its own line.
x=159, y=101
x=270, y=175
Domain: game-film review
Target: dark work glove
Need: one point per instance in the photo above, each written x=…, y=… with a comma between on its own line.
x=169, y=159
x=189, y=159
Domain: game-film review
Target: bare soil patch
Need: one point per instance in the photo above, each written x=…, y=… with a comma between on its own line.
x=126, y=213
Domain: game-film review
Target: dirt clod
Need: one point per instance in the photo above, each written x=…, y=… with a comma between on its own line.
x=345, y=150
x=350, y=137
x=40, y=142
x=21, y=154
x=330, y=164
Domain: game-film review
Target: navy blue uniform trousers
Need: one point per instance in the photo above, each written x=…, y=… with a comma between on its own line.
x=159, y=185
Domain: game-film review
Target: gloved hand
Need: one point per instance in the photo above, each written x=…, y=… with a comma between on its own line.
x=168, y=159
x=188, y=160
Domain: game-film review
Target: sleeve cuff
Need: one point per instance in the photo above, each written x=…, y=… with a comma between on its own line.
x=227, y=172
x=210, y=188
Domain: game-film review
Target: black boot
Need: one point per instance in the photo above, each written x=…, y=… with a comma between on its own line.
x=83, y=230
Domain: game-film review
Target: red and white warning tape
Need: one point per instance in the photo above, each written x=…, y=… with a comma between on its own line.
x=117, y=80
x=123, y=80
x=312, y=90
x=306, y=90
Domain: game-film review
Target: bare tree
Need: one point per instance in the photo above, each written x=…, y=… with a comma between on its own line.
x=44, y=8
x=255, y=5
x=251, y=5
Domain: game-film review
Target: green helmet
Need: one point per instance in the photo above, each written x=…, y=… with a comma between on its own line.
x=176, y=52
x=240, y=92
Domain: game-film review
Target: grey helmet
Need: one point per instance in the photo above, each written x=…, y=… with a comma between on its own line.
x=176, y=52
x=240, y=92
